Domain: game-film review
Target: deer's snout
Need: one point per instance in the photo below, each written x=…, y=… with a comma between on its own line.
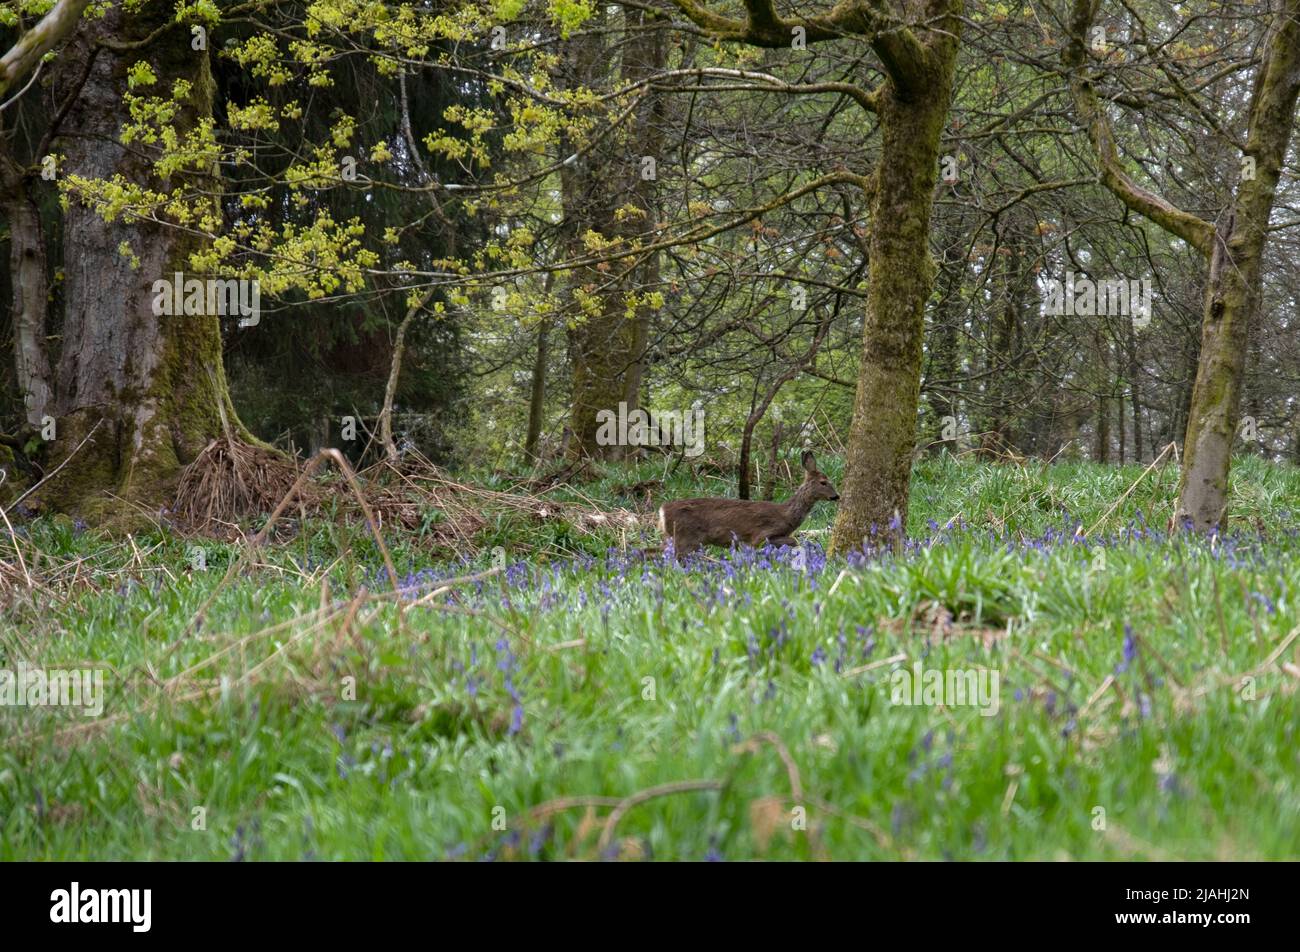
x=835, y=498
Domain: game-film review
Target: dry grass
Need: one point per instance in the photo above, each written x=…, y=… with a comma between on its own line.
x=231, y=483
x=465, y=503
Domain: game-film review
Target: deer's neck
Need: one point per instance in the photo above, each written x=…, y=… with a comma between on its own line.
x=799, y=505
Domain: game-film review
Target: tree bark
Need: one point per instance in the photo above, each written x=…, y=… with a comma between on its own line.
x=27, y=268
x=882, y=435
x=1234, y=247
x=1134, y=393
x=394, y=373
x=1002, y=387
x=27, y=258
x=1233, y=291
x=911, y=106
x=537, y=396
x=773, y=455
x=1102, y=452
x=606, y=345
x=942, y=341
x=151, y=389
x=57, y=24
x=1121, y=424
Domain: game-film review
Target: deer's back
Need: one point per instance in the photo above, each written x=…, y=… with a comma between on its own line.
x=717, y=521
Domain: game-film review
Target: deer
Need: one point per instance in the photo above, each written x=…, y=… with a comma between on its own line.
x=691, y=523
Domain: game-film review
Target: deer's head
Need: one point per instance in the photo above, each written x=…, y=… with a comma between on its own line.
x=815, y=482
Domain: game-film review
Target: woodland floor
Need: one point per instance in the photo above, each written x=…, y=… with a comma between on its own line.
x=587, y=702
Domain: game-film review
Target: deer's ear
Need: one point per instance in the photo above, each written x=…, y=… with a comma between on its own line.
x=808, y=461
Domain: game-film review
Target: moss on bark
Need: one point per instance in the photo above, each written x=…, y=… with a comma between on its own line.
x=1233, y=289
x=138, y=395
x=882, y=436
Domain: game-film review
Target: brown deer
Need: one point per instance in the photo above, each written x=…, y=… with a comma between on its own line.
x=691, y=523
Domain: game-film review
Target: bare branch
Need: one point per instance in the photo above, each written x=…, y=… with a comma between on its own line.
x=905, y=59
x=1190, y=228
x=52, y=29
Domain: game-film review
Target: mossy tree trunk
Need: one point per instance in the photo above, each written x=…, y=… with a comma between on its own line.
x=145, y=393
x=598, y=336
x=1216, y=396
x=606, y=344
x=1234, y=248
x=537, y=389
x=27, y=268
x=882, y=435
x=27, y=261
x=1233, y=292
x=919, y=59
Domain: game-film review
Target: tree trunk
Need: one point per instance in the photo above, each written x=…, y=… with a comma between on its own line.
x=882, y=435
x=394, y=373
x=27, y=261
x=1002, y=381
x=1121, y=423
x=537, y=397
x=943, y=374
x=641, y=333
x=145, y=392
x=27, y=270
x=1134, y=393
x=746, y=444
x=607, y=348
x=1102, y=452
x=773, y=457
x=599, y=346
x=1183, y=407
x=1234, y=247
x=942, y=337
x=756, y=413
x=1212, y=415
x=1233, y=289
x=1251, y=406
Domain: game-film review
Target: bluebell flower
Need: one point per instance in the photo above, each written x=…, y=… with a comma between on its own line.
x=539, y=839
x=1130, y=649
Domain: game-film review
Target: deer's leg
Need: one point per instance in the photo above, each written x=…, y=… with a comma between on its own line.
x=782, y=540
x=683, y=546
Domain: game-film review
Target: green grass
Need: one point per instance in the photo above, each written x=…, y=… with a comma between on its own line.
x=715, y=683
